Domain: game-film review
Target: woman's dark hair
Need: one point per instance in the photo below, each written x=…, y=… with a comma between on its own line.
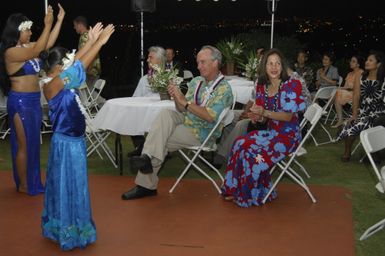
x=380, y=58
x=262, y=74
x=9, y=38
x=330, y=55
x=360, y=60
x=53, y=57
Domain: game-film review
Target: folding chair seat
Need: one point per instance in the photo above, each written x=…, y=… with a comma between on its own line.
x=373, y=140
x=204, y=147
x=97, y=140
x=325, y=94
x=312, y=116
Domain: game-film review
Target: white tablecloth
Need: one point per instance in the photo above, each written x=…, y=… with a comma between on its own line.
x=130, y=115
x=242, y=87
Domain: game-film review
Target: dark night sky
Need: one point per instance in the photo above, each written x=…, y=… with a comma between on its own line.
x=185, y=11
x=119, y=11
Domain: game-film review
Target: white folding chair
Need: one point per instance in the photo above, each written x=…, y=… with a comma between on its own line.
x=312, y=116
x=93, y=97
x=326, y=94
x=97, y=139
x=187, y=74
x=373, y=140
x=197, y=154
x=4, y=129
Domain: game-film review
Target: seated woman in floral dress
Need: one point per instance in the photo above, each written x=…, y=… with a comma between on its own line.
x=278, y=101
x=368, y=101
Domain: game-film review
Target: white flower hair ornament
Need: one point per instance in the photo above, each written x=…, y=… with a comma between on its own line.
x=69, y=59
x=25, y=25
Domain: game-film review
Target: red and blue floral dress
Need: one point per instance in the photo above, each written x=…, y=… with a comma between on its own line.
x=252, y=156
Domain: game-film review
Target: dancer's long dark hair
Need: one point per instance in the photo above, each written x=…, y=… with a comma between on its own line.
x=53, y=57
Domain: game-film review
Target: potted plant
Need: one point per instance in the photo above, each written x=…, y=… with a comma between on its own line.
x=160, y=78
x=231, y=50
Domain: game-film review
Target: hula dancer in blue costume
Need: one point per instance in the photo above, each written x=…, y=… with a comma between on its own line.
x=19, y=70
x=67, y=217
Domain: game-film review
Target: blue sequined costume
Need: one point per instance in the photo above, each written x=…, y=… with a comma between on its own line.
x=27, y=106
x=67, y=216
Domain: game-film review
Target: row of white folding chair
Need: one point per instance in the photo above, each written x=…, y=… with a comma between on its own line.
x=326, y=94
x=312, y=116
x=373, y=140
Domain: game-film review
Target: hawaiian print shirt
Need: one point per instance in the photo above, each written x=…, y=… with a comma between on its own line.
x=219, y=99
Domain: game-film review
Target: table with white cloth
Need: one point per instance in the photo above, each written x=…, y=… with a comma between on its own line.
x=129, y=116
x=243, y=88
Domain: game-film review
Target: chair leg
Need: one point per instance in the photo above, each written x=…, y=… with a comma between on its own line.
x=191, y=163
x=373, y=229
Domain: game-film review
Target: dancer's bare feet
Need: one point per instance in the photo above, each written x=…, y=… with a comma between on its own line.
x=22, y=189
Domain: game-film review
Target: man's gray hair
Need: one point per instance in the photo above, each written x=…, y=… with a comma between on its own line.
x=215, y=53
x=160, y=53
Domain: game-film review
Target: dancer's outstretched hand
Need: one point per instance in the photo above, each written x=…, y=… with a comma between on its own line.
x=107, y=32
x=94, y=32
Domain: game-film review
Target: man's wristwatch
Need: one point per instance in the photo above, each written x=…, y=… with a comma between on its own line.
x=187, y=104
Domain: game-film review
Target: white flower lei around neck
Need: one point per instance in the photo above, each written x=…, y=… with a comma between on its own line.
x=68, y=61
x=25, y=25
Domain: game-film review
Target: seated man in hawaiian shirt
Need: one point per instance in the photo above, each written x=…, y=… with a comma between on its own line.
x=208, y=95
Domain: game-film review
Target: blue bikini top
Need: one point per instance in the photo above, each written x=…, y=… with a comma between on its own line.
x=30, y=67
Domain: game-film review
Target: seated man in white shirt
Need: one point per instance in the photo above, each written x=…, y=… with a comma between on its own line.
x=156, y=55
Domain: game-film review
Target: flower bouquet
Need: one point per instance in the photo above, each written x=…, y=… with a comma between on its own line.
x=160, y=78
x=231, y=51
x=250, y=66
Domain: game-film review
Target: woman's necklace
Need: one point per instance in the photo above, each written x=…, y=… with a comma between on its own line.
x=275, y=99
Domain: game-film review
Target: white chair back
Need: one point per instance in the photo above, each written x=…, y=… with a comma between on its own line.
x=187, y=74
x=373, y=140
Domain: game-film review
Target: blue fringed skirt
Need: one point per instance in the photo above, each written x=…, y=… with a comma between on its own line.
x=67, y=216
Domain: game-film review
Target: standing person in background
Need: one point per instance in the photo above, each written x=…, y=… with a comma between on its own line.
x=19, y=73
x=94, y=70
x=67, y=217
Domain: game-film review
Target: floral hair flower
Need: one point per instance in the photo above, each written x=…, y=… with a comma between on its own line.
x=25, y=25
x=68, y=60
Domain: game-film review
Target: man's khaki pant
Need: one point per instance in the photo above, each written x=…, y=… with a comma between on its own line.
x=167, y=134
